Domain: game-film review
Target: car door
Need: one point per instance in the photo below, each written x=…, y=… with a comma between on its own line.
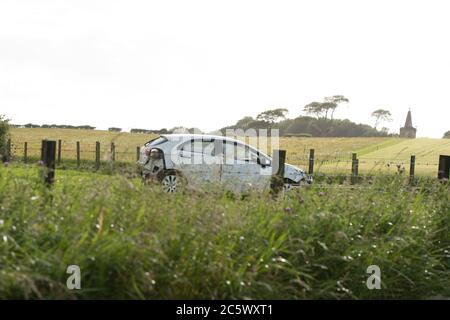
x=242, y=170
x=199, y=163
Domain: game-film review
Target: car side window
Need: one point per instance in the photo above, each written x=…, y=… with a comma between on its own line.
x=236, y=152
x=198, y=147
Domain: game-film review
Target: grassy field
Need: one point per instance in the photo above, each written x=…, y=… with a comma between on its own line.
x=427, y=153
x=133, y=242
x=126, y=143
x=333, y=155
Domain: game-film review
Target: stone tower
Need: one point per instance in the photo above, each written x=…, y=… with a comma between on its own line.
x=408, y=131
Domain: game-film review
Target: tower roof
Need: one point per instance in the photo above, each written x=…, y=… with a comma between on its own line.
x=408, y=122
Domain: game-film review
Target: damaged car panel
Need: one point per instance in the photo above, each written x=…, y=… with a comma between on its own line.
x=199, y=162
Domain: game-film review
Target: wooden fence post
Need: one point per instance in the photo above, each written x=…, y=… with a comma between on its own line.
x=113, y=152
x=412, y=169
x=78, y=154
x=277, y=181
x=48, y=159
x=25, y=152
x=59, y=151
x=42, y=150
x=138, y=153
x=444, y=167
x=97, y=155
x=311, y=161
x=355, y=168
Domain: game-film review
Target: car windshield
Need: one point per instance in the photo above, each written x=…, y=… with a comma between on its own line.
x=156, y=142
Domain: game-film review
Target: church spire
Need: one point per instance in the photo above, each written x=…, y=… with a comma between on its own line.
x=408, y=123
x=408, y=131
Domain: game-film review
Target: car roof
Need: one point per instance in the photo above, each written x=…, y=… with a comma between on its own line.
x=182, y=137
x=188, y=136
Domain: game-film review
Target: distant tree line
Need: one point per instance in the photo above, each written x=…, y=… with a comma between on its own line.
x=447, y=135
x=167, y=131
x=319, y=121
x=306, y=126
x=52, y=126
x=147, y=131
x=111, y=129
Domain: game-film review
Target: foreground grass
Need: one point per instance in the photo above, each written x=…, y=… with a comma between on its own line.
x=133, y=242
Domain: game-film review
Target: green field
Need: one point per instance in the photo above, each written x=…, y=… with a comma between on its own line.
x=333, y=155
x=133, y=242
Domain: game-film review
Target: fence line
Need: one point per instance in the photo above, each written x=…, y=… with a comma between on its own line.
x=312, y=162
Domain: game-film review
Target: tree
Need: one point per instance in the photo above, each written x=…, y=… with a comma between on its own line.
x=245, y=123
x=31, y=125
x=447, y=135
x=4, y=135
x=114, y=129
x=272, y=116
x=332, y=102
x=314, y=108
x=381, y=115
x=329, y=105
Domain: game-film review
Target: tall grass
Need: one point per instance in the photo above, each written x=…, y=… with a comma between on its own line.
x=133, y=242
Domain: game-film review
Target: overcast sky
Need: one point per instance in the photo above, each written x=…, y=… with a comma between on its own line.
x=206, y=64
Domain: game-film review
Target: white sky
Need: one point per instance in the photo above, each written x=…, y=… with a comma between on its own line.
x=206, y=64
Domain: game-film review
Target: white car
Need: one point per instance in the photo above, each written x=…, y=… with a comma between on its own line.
x=201, y=160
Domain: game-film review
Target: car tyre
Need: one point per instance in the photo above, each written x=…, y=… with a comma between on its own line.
x=172, y=181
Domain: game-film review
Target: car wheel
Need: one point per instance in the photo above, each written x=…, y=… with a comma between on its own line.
x=171, y=182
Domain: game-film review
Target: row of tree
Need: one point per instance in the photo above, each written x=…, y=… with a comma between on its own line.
x=306, y=126
x=52, y=126
x=112, y=129
x=146, y=131
x=168, y=131
x=319, y=121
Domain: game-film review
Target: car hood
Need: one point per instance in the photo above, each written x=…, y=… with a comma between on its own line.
x=293, y=173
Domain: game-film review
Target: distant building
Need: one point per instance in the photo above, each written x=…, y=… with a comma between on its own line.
x=408, y=131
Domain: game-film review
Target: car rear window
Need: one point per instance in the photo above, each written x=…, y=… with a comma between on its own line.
x=156, y=142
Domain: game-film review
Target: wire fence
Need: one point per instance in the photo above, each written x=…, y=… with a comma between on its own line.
x=92, y=155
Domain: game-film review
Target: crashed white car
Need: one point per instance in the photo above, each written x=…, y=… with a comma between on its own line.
x=177, y=160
